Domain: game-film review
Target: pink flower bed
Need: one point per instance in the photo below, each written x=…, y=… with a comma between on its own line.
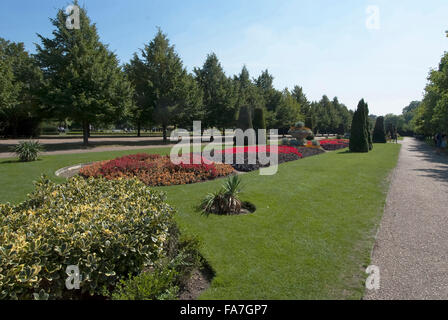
x=257, y=149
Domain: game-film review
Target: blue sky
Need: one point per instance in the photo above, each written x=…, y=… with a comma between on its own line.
x=322, y=45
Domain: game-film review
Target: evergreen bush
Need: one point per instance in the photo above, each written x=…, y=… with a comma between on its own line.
x=359, y=141
x=379, y=133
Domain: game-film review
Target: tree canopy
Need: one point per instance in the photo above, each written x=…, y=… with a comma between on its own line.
x=82, y=78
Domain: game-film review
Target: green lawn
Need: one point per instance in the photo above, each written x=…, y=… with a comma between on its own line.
x=310, y=237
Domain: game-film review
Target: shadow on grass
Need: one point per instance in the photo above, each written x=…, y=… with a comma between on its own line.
x=344, y=152
x=77, y=145
x=17, y=161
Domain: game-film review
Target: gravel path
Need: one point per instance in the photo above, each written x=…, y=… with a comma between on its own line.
x=411, y=249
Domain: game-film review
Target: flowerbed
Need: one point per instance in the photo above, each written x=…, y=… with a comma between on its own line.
x=334, y=144
x=157, y=170
x=284, y=154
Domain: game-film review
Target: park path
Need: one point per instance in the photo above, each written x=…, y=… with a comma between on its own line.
x=411, y=248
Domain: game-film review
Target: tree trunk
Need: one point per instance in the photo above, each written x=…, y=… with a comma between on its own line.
x=164, y=133
x=85, y=133
x=14, y=130
x=138, y=129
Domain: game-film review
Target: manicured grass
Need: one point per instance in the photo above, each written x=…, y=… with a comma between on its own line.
x=310, y=237
x=16, y=177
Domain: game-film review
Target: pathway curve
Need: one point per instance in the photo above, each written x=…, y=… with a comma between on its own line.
x=411, y=248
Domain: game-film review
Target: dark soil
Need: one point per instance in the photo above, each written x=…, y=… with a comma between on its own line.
x=199, y=281
x=308, y=152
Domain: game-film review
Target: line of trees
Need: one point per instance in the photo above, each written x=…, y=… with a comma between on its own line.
x=431, y=115
x=75, y=76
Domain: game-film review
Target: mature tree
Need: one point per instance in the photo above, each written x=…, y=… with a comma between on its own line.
x=432, y=113
x=219, y=95
x=393, y=122
x=173, y=96
x=9, y=90
x=379, y=133
x=359, y=141
x=20, y=80
x=324, y=112
x=142, y=108
x=342, y=121
x=288, y=112
x=248, y=94
x=190, y=107
x=272, y=97
x=83, y=80
x=305, y=106
x=408, y=115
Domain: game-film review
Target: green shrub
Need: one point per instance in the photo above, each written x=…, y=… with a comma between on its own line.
x=108, y=228
x=28, y=150
x=225, y=200
x=259, y=119
x=167, y=277
x=359, y=140
x=285, y=142
x=379, y=133
x=157, y=284
x=244, y=118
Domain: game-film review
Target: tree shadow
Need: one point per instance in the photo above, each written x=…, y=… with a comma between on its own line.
x=78, y=145
x=425, y=152
x=345, y=152
x=17, y=161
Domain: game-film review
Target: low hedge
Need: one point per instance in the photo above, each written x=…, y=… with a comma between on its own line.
x=110, y=229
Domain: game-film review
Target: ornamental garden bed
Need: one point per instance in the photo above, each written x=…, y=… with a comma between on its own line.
x=334, y=144
x=285, y=154
x=157, y=170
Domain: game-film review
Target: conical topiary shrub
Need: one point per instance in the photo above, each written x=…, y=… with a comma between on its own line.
x=259, y=119
x=259, y=122
x=244, y=119
x=244, y=122
x=379, y=133
x=359, y=141
x=368, y=126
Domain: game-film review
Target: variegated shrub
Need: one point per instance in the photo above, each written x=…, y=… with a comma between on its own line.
x=108, y=228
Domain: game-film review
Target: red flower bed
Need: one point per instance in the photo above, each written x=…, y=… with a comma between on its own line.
x=284, y=153
x=334, y=144
x=157, y=170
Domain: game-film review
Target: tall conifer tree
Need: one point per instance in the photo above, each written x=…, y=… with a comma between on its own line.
x=83, y=80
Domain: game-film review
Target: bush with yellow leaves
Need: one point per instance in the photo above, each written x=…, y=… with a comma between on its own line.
x=110, y=229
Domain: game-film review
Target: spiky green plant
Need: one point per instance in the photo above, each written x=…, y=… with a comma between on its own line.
x=224, y=200
x=27, y=150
